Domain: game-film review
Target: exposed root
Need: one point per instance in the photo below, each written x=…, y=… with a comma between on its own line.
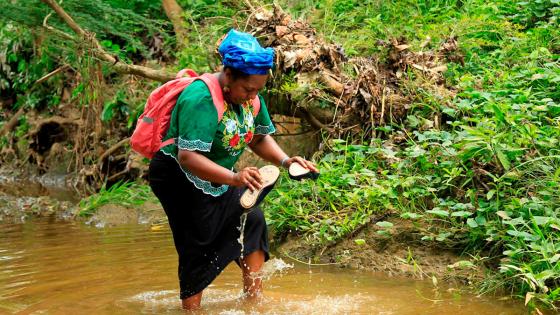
x=110, y=151
x=12, y=123
x=367, y=97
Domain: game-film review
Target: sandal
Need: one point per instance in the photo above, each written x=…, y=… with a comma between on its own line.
x=298, y=172
x=269, y=174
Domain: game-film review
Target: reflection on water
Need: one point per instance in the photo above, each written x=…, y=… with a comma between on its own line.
x=51, y=267
x=55, y=186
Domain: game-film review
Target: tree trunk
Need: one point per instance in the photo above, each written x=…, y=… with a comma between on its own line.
x=175, y=14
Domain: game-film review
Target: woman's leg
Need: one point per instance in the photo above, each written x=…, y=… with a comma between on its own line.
x=167, y=184
x=252, y=278
x=255, y=253
x=192, y=302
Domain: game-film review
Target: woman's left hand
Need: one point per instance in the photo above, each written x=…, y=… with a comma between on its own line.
x=303, y=162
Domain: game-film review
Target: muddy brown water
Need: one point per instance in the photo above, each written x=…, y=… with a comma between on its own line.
x=49, y=266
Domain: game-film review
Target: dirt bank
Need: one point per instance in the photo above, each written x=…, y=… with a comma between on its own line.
x=397, y=253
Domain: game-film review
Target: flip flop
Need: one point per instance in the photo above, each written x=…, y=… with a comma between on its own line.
x=298, y=172
x=269, y=174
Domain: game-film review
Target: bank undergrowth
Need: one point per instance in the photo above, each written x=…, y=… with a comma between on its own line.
x=478, y=168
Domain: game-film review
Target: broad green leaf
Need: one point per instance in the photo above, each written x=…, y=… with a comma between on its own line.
x=515, y=221
x=439, y=212
x=360, y=241
x=503, y=158
x=480, y=220
x=503, y=215
x=443, y=236
x=499, y=113
x=542, y=220
x=472, y=223
x=462, y=264
x=384, y=224
x=526, y=236
x=462, y=214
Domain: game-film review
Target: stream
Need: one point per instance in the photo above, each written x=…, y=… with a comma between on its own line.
x=54, y=266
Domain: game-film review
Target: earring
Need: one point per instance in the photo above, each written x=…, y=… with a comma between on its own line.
x=226, y=89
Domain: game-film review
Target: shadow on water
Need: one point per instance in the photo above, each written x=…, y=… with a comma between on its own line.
x=49, y=266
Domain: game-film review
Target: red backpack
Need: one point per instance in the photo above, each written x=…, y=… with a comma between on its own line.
x=154, y=121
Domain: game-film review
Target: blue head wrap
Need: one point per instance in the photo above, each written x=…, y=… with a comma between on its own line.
x=243, y=52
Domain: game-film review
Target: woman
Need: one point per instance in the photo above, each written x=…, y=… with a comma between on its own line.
x=193, y=178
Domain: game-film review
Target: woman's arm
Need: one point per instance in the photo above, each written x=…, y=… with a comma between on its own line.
x=206, y=169
x=266, y=147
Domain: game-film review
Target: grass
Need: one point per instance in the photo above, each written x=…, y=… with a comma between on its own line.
x=127, y=194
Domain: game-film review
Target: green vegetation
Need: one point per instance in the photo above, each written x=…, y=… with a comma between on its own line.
x=475, y=167
x=124, y=194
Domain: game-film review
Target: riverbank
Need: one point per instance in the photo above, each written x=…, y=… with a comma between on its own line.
x=399, y=253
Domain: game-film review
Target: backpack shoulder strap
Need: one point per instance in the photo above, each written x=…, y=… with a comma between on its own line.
x=218, y=97
x=191, y=73
x=216, y=92
x=256, y=105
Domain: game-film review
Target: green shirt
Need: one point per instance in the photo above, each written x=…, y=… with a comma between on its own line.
x=194, y=124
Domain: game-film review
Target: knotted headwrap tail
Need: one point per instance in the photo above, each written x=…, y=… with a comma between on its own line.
x=243, y=52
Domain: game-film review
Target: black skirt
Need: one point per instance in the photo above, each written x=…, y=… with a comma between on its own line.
x=205, y=228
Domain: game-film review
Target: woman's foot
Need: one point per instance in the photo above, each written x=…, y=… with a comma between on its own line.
x=192, y=302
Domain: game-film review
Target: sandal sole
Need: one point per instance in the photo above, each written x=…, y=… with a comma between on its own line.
x=298, y=172
x=269, y=174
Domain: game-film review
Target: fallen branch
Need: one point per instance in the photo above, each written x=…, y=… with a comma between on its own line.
x=250, y=5
x=111, y=150
x=309, y=263
x=313, y=121
x=292, y=134
x=117, y=175
x=52, y=73
x=121, y=67
x=12, y=123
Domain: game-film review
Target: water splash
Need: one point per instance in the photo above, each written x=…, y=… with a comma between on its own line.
x=275, y=266
x=272, y=267
x=156, y=301
x=155, y=297
x=241, y=229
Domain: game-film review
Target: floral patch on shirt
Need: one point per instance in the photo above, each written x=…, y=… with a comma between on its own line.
x=237, y=133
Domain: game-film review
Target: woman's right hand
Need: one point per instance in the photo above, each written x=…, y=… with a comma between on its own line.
x=249, y=177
